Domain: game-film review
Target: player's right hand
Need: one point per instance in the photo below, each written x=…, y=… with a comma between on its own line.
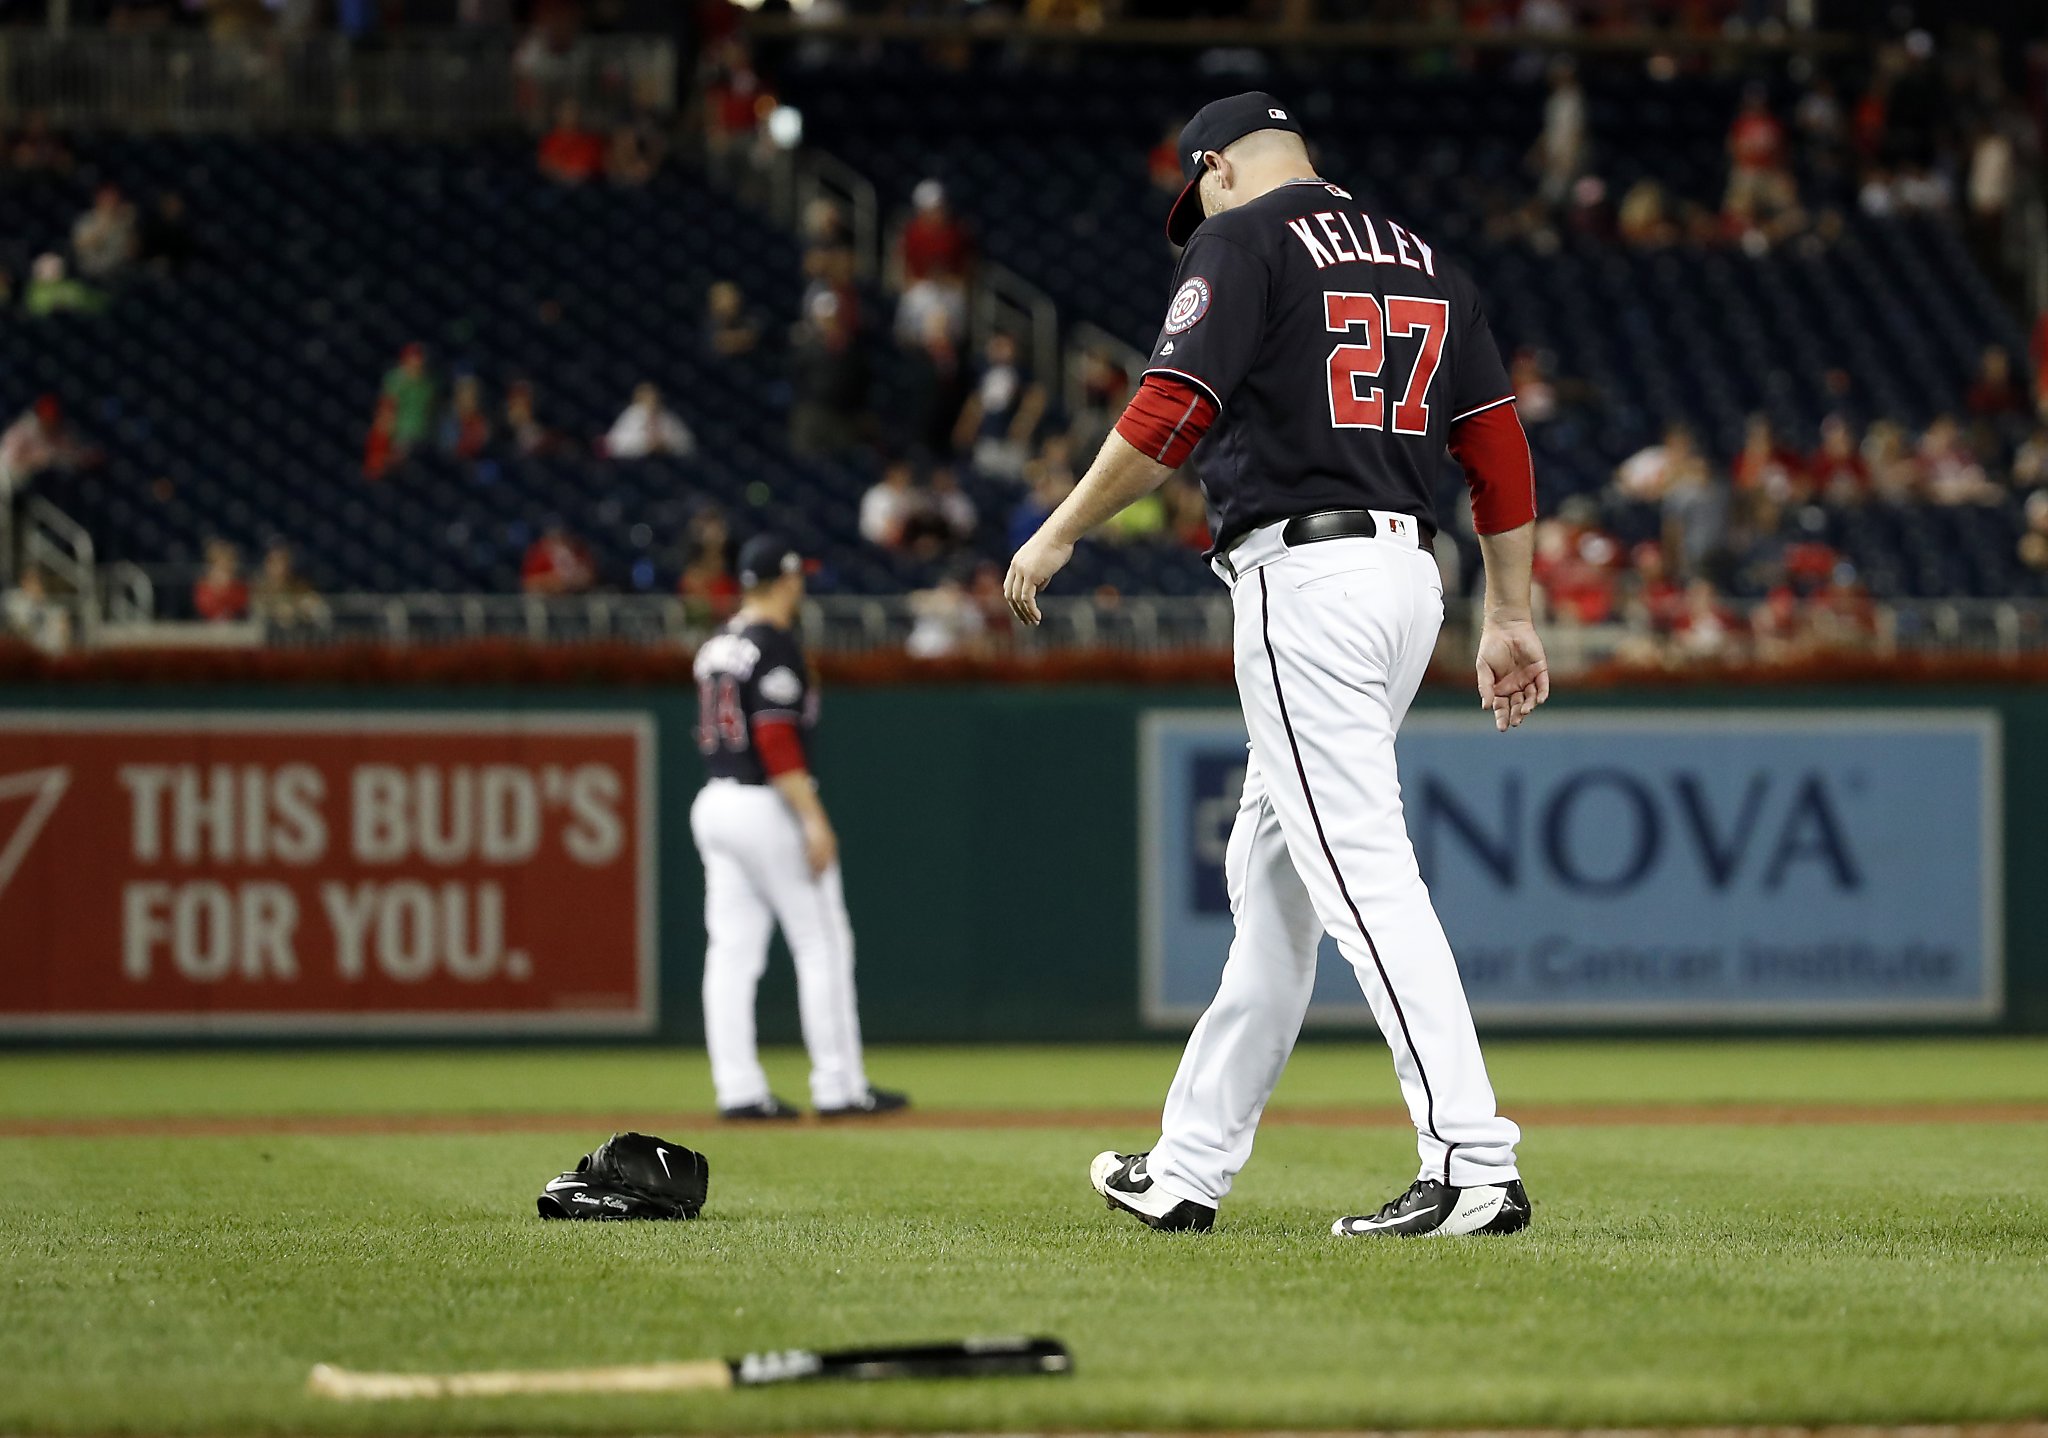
x=1514, y=673
x=1031, y=569
x=821, y=845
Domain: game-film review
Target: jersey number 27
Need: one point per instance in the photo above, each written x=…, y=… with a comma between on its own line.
x=1401, y=316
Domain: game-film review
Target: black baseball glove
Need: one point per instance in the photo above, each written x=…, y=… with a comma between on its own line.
x=631, y=1175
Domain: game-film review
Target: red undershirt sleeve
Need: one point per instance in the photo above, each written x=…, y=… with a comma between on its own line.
x=781, y=751
x=1166, y=419
x=1492, y=449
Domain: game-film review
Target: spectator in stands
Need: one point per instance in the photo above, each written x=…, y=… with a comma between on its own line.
x=1705, y=628
x=38, y=149
x=1768, y=468
x=954, y=513
x=634, y=153
x=404, y=417
x=1050, y=479
x=1823, y=131
x=1560, y=153
x=946, y=621
x=557, y=563
x=103, y=239
x=1655, y=600
x=1953, y=473
x=220, y=596
x=39, y=439
x=1574, y=566
x=281, y=596
x=2030, y=460
x=936, y=382
x=466, y=428
x=1840, y=615
x=735, y=102
x=1162, y=163
x=891, y=505
x=1756, y=151
x=710, y=592
x=53, y=292
x=29, y=614
x=649, y=427
x=1000, y=419
x=2034, y=539
x=529, y=437
x=829, y=381
x=166, y=244
x=933, y=255
x=1187, y=513
x=1649, y=472
x=1837, y=468
x=1105, y=390
x=1141, y=521
x=570, y=153
x=1895, y=471
x=1535, y=395
x=830, y=266
x=1995, y=393
x=730, y=328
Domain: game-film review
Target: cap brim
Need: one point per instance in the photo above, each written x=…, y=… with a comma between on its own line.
x=1186, y=214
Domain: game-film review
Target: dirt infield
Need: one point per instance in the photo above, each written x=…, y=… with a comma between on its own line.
x=1545, y=1115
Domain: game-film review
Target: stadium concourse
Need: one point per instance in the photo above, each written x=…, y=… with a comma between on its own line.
x=1771, y=363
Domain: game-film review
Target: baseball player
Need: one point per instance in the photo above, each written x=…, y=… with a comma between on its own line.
x=770, y=856
x=1322, y=356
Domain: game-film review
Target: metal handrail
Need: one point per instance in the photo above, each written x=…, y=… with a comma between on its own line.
x=1138, y=624
x=181, y=82
x=1000, y=291
x=1082, y=338
x=819, y=174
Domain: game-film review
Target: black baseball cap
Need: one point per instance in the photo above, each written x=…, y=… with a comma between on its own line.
x=1217, y=126
x=766, y=558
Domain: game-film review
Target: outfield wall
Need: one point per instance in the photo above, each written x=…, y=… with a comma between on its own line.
x=1035, y=863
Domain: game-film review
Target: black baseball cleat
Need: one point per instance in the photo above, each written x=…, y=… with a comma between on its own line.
x=769, y=1110
x=1123, y=1183
x=874, y=1101
x=1430, y=1207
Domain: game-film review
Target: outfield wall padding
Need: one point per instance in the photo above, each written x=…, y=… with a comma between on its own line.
x=991, y=837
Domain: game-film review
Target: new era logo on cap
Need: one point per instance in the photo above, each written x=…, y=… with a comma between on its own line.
x=1277, y=114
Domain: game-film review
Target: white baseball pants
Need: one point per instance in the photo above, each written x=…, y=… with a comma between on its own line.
x=756, y=877
x=1331, y=642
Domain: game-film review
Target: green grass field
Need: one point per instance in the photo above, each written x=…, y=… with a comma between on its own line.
x=1677, y=1273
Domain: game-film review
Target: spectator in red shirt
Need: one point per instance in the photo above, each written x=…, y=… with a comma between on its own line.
x=934, y=242
x=1163, y=163
x=735, y=99
x=1756, y=154
x=569, y=153
x=557, y=563
x=2040, y=358
x=1765, y=467
x=1995, y=394
x=934, y=254
x=1837, y=467
x=220, y=594
x=1659, y=600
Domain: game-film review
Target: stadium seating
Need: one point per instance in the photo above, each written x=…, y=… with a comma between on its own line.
x=235, y=400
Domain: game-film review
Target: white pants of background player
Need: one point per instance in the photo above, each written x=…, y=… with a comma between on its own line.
x=755, y=878
x=1331, y=643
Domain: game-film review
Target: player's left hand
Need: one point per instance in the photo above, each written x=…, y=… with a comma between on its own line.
x=1031, y=569
x=1513, y=671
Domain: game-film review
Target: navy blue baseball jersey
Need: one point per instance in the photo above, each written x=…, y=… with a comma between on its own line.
x=747, y=676
x=1338, y=347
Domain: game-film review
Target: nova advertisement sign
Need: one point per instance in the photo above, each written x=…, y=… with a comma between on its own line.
x=1640, y=867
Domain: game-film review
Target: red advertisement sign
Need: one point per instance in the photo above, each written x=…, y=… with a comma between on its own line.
x=329, y=872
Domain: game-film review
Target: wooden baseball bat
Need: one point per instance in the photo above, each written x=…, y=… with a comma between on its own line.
x=972, y=1358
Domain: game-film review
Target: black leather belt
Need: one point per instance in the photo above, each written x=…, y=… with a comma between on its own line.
x=1340, y=524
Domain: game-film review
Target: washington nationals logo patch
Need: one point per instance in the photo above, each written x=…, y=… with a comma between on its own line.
x=1190, y=303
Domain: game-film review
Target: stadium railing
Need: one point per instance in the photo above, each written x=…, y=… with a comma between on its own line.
x=195, y=84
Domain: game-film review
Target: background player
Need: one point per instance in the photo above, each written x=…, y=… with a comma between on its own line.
x=770, y=856
x=1323, y=356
